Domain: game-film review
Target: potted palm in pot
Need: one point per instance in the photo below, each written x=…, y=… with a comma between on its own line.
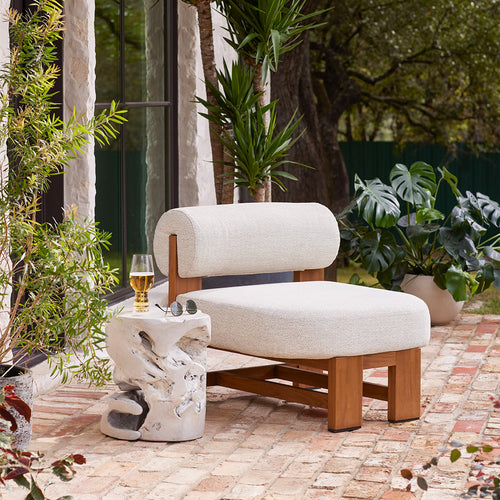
x=52, y=275
x=401, y=234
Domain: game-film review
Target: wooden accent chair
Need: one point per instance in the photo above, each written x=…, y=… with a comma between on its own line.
x=324, y=334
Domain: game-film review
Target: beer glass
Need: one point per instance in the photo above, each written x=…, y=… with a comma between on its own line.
x=141, y=280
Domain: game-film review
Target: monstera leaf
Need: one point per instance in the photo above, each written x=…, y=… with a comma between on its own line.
x=463, y=217
x=376, y=202
x=416, y=185
x=428, y=215
x=378, y=251
x=457, y=281
x=457, y=243
x=485, y=276
x=451, y=180
x=490, y=209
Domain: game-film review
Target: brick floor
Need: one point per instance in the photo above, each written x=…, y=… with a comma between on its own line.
x=263, y=448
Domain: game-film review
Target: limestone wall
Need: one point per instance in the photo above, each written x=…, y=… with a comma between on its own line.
x=79, y=94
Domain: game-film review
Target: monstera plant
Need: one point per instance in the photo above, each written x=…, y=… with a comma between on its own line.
x=401, y=231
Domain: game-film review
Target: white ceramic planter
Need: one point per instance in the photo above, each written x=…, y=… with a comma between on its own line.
x=441, y=304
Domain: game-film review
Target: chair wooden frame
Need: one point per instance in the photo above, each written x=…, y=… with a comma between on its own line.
x=341, y=376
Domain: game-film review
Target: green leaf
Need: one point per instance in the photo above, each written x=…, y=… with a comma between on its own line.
x=22, y=481
x=487, y=448
x=451, y=179
x=416, y=185
x=378, y=251
x=490, y=209
x=457, y=281
x=492, y=253
x=35, y=492
x=471, y=448
x=377, y=202
x=427, y=214
x=455, y=455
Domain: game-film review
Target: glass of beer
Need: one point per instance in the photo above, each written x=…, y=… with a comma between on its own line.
x=141, y=280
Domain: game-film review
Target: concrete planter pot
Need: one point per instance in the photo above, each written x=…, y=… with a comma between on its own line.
x=441, y=304
x=22, y=380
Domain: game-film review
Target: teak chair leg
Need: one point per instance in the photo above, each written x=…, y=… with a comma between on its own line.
x=404, y=387
x=345, y=393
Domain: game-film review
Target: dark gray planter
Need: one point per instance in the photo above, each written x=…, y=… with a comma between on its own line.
x=22, y=380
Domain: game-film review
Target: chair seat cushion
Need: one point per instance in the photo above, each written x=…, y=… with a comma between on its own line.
x=313, y=319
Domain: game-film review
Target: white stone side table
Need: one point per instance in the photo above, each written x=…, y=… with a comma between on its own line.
x=161, y=367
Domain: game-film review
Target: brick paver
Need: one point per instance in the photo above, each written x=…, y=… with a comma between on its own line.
x=263, y=448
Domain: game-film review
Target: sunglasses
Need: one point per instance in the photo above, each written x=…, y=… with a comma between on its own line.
x=176, y=308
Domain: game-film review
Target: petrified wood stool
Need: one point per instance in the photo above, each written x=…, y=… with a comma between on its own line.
x=161, y=367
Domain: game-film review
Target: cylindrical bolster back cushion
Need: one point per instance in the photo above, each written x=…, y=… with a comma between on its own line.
x=247, y=238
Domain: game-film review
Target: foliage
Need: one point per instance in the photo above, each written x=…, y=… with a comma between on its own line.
x=425, y=80
x=256, y=151
x=20, y=466
x=260, y=31
x=403, y=232
x=390, y=70
x=55, y=270
x=234, y=96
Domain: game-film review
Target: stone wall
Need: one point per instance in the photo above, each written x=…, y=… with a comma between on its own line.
x=79, y=95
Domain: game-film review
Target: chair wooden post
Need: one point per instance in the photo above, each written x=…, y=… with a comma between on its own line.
x=404, y=386
x=176, y=284
x=345, y=393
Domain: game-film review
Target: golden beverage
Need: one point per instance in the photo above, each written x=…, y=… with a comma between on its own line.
x=141, y=282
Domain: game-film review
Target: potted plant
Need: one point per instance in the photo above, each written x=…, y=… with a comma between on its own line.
x=402, y=234
x=52, y=276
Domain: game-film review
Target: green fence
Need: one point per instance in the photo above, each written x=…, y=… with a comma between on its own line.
x=375, y=159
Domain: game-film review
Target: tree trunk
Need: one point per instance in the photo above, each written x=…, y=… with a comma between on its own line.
x=208, y=59
x=292, y=85
x=260, y=87
x=227, y=187
x=259, y=195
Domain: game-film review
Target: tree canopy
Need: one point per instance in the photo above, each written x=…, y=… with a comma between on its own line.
x=418, y=70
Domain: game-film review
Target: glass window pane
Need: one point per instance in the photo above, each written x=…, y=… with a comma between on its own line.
x=107, y=34
x=108, y=201
x=145, y=170
x=144, y=51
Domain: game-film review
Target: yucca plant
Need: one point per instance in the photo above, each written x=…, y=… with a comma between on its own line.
x=234, y=95
x=261, y=30
x=256, y=152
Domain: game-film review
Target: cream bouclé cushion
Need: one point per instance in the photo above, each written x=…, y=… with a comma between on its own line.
x=312, y=320
x=248, y=238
